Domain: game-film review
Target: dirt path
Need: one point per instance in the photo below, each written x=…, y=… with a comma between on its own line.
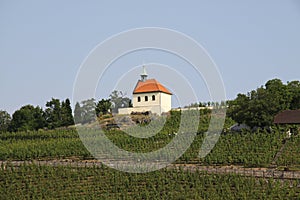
x=255, y=172
x=279, y=153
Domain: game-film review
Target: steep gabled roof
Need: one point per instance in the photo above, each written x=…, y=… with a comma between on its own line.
x=150, y=85
x=288, y=117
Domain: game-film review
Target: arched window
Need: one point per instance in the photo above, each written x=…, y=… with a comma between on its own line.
x=146, y=98
x=139, y=99
x=153, y=97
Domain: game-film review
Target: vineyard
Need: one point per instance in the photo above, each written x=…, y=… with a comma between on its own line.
x=246, y=149
x=45, y=182
x=243, y=150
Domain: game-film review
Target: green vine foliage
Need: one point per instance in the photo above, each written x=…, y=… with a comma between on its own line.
x=48, y=182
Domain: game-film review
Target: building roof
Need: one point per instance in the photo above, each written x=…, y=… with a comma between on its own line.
x=150, y=85
x=288, y=117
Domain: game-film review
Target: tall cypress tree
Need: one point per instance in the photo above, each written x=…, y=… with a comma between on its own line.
x=78, y=113
x=66, y=113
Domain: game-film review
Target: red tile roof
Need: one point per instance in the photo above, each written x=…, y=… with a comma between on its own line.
x=288, y=117
x=150, y=85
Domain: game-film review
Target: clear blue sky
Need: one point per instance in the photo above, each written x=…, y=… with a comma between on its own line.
x=43, y=43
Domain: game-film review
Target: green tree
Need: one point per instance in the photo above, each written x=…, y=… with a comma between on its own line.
x=53, y=113
x=259, y=106
x=118, y=100
x=88, y=113
x=277, y=95
x=78, y=113
x=58, y=113
x=66, y=113
x=238, y=109
x=103, y=106
x=4, y=120
x=293, y=89
x=27, y=118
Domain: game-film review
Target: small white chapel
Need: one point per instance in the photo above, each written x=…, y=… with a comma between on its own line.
x=149, y=95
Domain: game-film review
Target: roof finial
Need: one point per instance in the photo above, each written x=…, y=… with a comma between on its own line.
x=144, y=74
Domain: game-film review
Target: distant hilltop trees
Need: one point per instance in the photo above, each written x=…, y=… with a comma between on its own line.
x=59, y=113
x=258, y=107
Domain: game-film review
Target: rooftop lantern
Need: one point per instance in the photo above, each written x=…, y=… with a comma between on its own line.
x=144, y=75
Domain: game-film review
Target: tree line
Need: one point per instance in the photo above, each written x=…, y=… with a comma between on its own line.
x=85, y=111
x=59, y=113
x=258, y=107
